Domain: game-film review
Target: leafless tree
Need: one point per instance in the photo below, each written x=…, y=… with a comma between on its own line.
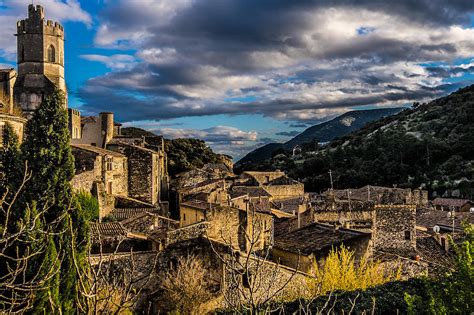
x=186, y=286
x=251, y=279
x=17, y=286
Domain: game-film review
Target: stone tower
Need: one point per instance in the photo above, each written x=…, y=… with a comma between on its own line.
x=40, y=45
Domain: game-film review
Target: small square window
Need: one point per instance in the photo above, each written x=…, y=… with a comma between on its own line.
x=408, y=235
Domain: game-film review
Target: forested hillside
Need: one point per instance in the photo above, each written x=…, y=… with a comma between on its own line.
x=323, y=132
x=429, y=146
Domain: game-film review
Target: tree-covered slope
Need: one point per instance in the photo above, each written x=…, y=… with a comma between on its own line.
x=429, y=146
x=323, y=132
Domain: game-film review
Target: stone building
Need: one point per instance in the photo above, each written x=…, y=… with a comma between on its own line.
x=304, y=247
x=147, y=172
x=100, y=170
x=93, y=130
x=451, y=204
x=277, y=184
x=7, y=82
x=382, y=195
x=9, y=113
x=233, y=226
x=40, y=46
x=395, y=228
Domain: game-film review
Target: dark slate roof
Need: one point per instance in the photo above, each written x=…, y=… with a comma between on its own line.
x=284, y=180
x=197, y=204
x=204, y=184
x=237, y=194
x=127, y=213
x=260, y=205
x=431, y=252
x=430, y=218
x=107, y=230
x=288, y=205
x=450, y=202
x=315, y=237
x=252, y=191
x=97, y=150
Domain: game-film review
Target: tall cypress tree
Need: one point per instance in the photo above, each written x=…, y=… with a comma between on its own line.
x=48, y=155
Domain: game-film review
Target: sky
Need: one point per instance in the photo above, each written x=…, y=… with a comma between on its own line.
x=242, y=73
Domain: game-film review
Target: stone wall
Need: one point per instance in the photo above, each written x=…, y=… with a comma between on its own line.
x=143, y=175
x=395, y=228
x=285, y=191
x=186, y=233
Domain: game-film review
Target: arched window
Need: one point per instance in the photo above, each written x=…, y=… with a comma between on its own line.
x=51, y=54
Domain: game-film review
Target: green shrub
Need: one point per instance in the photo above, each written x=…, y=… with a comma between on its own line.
x=89, y=205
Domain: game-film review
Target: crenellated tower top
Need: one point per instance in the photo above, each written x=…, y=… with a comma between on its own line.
x=40, y=45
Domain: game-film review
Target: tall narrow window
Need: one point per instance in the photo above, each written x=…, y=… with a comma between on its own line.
x=51, y=54
x=22, y=54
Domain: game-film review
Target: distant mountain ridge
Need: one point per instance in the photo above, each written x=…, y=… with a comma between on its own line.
x=428, y=146
x=324, y=132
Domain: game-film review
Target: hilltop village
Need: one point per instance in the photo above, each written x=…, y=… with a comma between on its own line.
x=264, y=222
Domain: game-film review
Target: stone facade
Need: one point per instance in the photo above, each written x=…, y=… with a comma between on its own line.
x=40, y=46
x=96, y=131
x=303, y=248
x=7, y=82
x=395, y=228
x=383, y=195
x=144, y=172
x=102, y=172
x=74, y=124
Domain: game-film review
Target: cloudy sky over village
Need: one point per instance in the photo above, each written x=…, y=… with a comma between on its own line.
x=242, y=73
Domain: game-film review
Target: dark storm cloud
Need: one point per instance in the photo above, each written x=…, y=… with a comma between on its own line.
x=294, y=59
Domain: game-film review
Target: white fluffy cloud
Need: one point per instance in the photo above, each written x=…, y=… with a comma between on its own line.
x=288, y=60
x=14, y=10
x=218, y=134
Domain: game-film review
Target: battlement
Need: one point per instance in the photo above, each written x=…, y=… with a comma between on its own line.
x=35, y=23
x=35, y=12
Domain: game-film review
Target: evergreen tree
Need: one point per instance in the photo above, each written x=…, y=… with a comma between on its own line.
x=48, y=155
x=10, y=162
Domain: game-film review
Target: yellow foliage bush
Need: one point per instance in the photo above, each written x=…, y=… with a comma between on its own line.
x=342, y=272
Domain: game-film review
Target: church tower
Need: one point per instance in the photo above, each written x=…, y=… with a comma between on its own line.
x=40, y=45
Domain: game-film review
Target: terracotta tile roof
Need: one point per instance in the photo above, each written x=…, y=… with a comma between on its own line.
x=97, y=150
x=450, y=202
x=315, y=237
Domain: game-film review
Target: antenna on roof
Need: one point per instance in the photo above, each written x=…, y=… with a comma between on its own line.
x=330, y=178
